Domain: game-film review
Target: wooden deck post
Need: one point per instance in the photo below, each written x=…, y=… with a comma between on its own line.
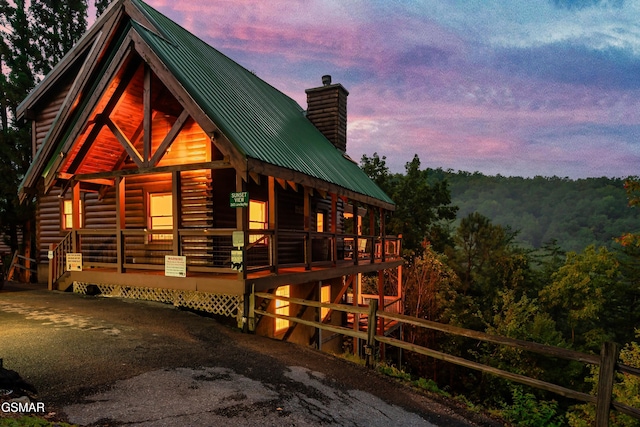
x=381, y=304
x=273, y=223
x=383, y=231
x=176, y=189
x=308, y=259
x=371, y=333
x=334, y=228
x=120, y=222
x=608, y=360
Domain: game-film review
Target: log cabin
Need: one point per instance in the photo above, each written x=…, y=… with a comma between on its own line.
x=164, y=170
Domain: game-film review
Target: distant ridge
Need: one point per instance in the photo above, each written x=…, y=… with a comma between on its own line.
x=575, y=213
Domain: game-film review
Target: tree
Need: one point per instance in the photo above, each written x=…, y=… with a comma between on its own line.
x=423, y=210
x=585, y=295
x=57, y=25
x=32, y=41
x=15, y=144
x=101, y=6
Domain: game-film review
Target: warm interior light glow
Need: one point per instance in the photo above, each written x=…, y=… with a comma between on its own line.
x=161, y=214
x=67, y=214
x=325, y=297
x=320, y=222
x=282, y=307
x=257, y=219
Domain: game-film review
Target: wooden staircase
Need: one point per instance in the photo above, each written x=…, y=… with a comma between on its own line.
x=20, y=262
x=57, y=263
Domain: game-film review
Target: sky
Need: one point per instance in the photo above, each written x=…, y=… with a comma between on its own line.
x=516, y=88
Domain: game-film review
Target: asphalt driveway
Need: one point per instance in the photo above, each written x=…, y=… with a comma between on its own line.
x=105, y=361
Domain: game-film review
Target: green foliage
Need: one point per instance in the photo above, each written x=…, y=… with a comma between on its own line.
x=574, y=213
x=421, y=383
x=626, y=390
x=431, y=386
x=101, y=6
x=423, y=208
x=392, y=371
x=56, y=26
x=527, y=411
x=487, y=277
x=586, y=295
x=486, y=260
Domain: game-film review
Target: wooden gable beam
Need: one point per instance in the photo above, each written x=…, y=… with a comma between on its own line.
x=171, y=136
x=103, y=117
x=134, y=138
x=236, y=158
x=122, y=55
x=146, y=117
x=124, y=141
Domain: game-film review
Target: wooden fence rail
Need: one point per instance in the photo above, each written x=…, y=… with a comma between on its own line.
x=607, y=361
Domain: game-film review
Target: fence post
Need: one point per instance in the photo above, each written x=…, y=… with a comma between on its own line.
x=252, y=310
x=608, y=360
x=52, y=265
x=371, y=332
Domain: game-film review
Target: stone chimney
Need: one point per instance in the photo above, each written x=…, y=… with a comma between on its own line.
x=327, y=110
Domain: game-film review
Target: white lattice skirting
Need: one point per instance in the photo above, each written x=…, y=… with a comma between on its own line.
x=222, y=304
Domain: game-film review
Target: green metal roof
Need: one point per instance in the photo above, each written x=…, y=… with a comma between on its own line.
x=261, y=122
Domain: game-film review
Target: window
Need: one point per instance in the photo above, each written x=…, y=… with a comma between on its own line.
x=67, y=214
x=257, y=219
x=320, y=222
x=160, y=215
x=325, y=297
x=282, y=307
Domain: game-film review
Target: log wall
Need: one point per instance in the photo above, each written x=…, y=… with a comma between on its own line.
x=45, y=117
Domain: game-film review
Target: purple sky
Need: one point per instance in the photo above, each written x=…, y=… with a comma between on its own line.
x=518, y=87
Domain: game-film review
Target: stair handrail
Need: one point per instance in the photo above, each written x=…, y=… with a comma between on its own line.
x=57, y=259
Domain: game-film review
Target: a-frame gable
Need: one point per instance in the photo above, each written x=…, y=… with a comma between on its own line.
x=136, y=118
x=78, y=134
x=89, y=52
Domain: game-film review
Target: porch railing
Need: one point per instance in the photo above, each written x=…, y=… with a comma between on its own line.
x=209, y=250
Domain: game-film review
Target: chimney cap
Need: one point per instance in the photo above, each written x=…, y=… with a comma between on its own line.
x=326, y=80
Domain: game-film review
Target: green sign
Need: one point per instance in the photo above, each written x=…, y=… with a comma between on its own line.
x=239, y=200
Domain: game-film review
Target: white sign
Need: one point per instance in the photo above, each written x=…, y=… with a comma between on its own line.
x=237, y=260
x=50, y=254
x=175, y=266
x=74, y=262
x=238, y=239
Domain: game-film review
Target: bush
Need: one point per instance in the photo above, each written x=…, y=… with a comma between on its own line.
x=527, y=411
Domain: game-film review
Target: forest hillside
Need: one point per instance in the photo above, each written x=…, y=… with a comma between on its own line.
x=574, y=213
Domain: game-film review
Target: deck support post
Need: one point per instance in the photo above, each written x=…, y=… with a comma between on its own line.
x=248, y=321
x=381, y=302
x=120, y=221
x=273, y=224
x=175, y=210
x=370, y=350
